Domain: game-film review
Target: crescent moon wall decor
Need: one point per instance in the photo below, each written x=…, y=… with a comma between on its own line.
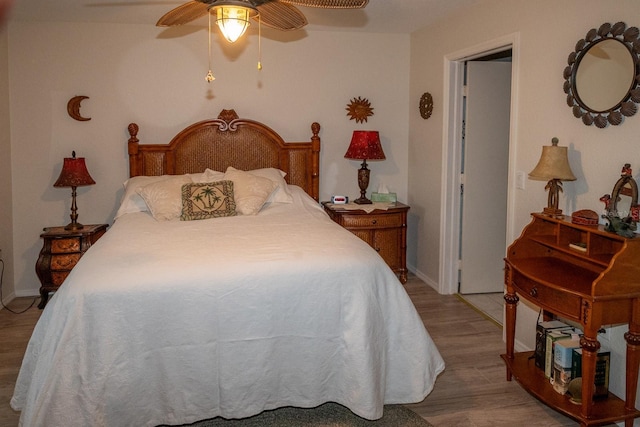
x=73, y=108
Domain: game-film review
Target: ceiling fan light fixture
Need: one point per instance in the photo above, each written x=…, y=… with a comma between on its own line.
x=233, y=18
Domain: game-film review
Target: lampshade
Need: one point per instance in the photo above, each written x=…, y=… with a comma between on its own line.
x=74, y=173
x=365, y=145
x=553, y=164
x=233, y=18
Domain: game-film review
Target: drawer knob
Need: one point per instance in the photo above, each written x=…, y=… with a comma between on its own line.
x=374, y=222
x=377, y=249
x=533, y=292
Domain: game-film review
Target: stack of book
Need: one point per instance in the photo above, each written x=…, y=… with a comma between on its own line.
x=546, y=334
x=563, y=368
x=603, y=365
x=559, y=355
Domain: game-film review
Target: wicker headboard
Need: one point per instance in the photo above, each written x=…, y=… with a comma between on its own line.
x=229, y=141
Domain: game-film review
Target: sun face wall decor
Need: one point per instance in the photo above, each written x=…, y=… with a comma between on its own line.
x=359, y=109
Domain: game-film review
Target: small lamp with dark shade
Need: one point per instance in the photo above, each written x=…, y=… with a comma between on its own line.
x=553, y=167
x=365, y=145
x=74, y=174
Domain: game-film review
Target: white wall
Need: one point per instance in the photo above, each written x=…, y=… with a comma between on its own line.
x=548, y=31
x=6, y=215
x=155, y=77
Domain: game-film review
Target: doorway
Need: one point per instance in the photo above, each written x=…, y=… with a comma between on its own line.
x=484, y=177
x=465, y=259
x=484, y=173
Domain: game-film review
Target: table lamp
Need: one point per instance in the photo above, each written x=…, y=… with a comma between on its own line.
x=553, y=167
x=74, y=174
x=365, y=145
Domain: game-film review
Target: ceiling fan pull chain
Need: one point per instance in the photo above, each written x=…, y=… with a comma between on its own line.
x=209, y=78
x=259, y=44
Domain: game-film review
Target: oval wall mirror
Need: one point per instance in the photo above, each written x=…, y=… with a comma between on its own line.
x=602, y=80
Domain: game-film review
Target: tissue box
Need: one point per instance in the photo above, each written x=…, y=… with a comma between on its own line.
x=384, y=197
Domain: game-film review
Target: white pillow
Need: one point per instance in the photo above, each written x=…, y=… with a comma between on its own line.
x=250, y=191
x=282, y=194
x=207, y=176
x=164, y=198
x=131, y=201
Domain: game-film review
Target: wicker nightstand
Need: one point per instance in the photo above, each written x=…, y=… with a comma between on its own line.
x=61, y=252
x=384, y=230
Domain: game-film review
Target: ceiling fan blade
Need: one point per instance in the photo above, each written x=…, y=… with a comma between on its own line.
x=183, y=14
x=330, y=4
x=281, y=16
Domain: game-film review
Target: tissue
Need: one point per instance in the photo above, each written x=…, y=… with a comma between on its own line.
x=383, y=195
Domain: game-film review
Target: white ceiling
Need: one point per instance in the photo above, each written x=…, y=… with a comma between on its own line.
x=382, y=16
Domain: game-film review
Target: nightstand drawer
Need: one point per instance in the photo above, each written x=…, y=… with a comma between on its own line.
x=65, y=246
x=64, y=262
x=57, y=277
x=372, y=221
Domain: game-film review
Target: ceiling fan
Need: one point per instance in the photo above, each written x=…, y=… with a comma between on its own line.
x=233, y=16
x=278, y=14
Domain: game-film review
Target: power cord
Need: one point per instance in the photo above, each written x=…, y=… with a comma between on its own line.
x=2, y=299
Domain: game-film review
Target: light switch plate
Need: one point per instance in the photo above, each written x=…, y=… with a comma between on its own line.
x=520, y=177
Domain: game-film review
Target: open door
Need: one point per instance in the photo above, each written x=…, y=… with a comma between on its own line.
x=485, y=166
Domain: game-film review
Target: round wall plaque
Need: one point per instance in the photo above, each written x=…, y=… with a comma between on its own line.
x=426, y=105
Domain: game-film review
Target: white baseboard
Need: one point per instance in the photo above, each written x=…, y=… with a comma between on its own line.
x=426, y=279
x=6, y=299
x=28, y=293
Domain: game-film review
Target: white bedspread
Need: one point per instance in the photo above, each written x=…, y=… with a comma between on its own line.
x=174, y=322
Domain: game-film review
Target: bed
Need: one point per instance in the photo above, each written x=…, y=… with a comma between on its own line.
x=171, y=320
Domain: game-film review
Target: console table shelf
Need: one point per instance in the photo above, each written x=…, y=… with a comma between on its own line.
x=587, y=275
x=532, y=379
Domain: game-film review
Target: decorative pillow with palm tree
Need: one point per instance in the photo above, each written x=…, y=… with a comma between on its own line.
x=203, y=200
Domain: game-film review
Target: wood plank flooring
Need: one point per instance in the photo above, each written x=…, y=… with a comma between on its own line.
x=472, y=392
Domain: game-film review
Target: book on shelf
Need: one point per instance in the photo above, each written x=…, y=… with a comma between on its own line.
x=551, y=337
x=563, y=363
x=578, y=246
x=603, y=366
x=541, y=339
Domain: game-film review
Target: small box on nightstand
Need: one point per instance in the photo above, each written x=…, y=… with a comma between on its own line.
x=384, y=197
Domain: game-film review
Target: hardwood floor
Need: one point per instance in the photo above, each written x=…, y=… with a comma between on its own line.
x=472, y=392
x=15, y=330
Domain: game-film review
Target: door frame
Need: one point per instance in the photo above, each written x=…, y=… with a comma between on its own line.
x=451, y=153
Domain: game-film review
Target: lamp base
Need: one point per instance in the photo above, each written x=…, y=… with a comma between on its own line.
x=362, y=201
x=555, y=187
x=363, y=183
x=73, y=226
x=553, y=212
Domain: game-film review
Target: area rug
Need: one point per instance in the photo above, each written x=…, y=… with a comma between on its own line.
x=327, y=415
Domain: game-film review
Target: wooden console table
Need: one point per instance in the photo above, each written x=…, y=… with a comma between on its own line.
x=599, y=285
